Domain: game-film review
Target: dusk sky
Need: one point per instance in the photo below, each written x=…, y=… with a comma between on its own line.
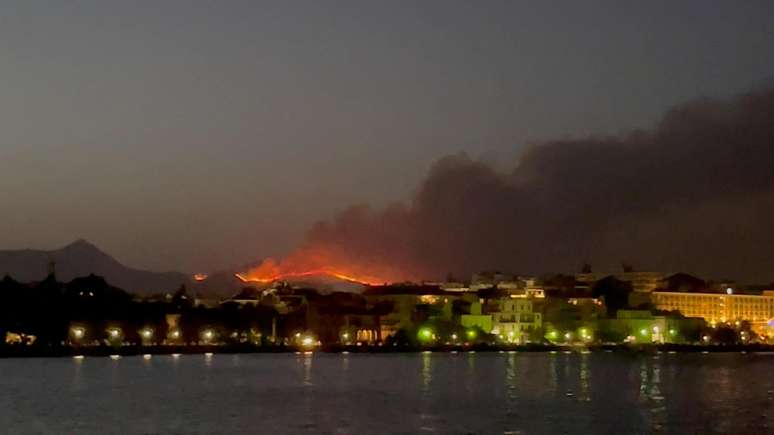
x=194, y=136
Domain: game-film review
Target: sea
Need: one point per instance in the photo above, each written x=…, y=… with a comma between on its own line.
x=396, y=393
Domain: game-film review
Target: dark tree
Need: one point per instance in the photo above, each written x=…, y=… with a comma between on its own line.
x=614, y=291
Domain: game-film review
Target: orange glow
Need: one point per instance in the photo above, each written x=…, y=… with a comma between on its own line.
x=309, y=263
x=250, y=277
x=200, y=277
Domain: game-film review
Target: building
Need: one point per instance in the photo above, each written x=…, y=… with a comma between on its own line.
x=513, y=319
x=640, y=281
x=642, y=326
x=721, y=307
x=407, y=306
x=476, y=318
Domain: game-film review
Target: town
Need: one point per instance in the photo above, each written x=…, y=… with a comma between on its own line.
x=492, y=310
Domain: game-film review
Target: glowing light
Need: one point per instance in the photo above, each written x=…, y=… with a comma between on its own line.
x=471, y=334
x=208, y=334
x=147, y=356
x=208, y=355
x=729, y=291
x=175, y=355
x=146, y=333
x=425, y=334
x=199, y=277
x=643, y=332
x=77, y=333
x=78, y=357
x=115, y=357
x=307, y=341
x=568, y=336
x=114, y=332
x=454, y=336
x=672, y=332
x=175, y=334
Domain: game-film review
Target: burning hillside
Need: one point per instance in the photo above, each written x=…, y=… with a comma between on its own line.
x=316, y=259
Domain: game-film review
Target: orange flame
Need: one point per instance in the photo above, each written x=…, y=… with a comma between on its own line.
x=200, y=277
x=305, y=265
x=248, y=277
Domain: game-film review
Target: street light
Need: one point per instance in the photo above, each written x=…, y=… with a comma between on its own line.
x=146, y=333
x=425, y=334
x=77, y=332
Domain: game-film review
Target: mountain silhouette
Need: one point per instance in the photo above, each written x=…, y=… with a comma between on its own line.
x=82, y=258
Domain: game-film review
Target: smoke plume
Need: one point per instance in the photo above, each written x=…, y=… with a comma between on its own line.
x=695, y=193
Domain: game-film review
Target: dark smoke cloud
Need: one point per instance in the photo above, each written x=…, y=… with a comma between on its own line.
x=695, y=193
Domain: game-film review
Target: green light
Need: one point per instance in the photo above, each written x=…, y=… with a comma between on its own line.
x=643, y=332
x=425, y=334
x=553, y=335
x=672, y=332
x=471, y=334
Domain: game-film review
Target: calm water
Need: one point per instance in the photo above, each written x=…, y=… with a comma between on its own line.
x=524, y=393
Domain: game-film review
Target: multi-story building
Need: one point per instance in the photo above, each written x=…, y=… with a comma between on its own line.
x=513, y=319
x=640, y=281
x=410, y=305
x=721, y=307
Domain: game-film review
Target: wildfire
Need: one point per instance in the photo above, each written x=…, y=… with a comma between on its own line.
x=270, y=271
x=249, y=277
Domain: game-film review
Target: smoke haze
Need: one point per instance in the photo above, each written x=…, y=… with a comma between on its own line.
x=695, y=193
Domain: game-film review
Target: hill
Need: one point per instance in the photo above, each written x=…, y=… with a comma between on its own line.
x=82, y=258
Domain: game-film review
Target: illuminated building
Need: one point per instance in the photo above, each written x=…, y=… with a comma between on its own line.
x=640, y=281
x=720, y=307
x=476, y=318
x=410, y=305
x=513, y=319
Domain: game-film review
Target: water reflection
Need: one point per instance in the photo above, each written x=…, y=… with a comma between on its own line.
x=427, y=372
x=651, y=398
x=511, y=385
x=307, y=359
x=612, y=393
x=553, y=376
x=584, y=378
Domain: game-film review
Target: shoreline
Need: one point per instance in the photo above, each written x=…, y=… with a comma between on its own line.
x=128, y=351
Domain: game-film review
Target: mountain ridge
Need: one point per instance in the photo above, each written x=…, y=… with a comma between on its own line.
x=82, y=258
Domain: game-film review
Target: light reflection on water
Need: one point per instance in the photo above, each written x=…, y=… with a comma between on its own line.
x=395, y=393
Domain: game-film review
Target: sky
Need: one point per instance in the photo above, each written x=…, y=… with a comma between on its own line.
x=193, y=136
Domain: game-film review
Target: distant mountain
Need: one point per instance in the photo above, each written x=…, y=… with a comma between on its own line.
x=81, y=258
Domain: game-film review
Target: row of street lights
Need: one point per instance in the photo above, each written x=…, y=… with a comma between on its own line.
x=78, y=333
